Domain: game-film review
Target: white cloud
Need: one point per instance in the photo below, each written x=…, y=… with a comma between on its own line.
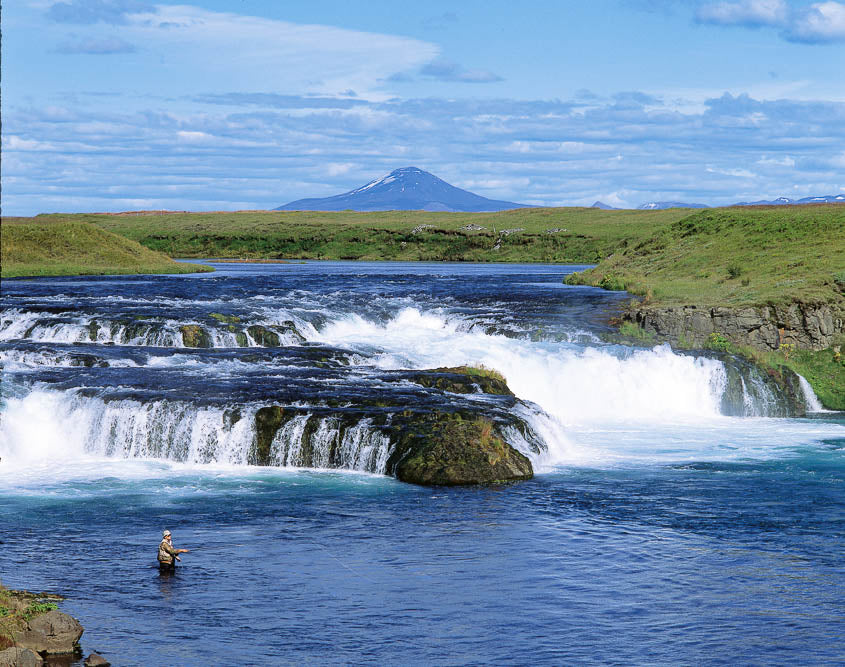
x=750, y=13
x=776, y=162
x=183, y=50
x=822, y=22
x=340, y=168
x=736, y=173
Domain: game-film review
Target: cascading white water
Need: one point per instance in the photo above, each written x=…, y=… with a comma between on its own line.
x=71, y=328
x=810, y=398
x=573, y=383
x=66, y=426
x=594, y=404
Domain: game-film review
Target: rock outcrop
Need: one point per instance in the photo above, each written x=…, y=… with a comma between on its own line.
x=51, y=633
x=804, y=325
x=454, y=449
x=20, y=657
x=33, y=630
x=445, y=440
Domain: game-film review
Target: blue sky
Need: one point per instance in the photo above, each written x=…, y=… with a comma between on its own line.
x=113, y=105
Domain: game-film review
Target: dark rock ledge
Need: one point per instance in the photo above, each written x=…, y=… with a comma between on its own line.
x=33, y=632
x=807, y=326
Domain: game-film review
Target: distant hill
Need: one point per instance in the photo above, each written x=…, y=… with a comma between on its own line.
x=406, y=189
x=660, y=205
x=603, y=206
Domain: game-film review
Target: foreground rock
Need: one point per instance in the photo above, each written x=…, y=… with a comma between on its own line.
x=52, y=633
x=20, y=657
x=33, y=630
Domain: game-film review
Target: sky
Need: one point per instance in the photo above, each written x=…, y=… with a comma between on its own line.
x=115, y=105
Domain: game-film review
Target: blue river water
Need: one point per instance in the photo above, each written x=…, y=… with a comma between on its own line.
x=657, y=530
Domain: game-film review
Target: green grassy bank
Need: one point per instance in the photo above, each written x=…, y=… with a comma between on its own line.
x=67, y=247
x=733, y=257
x=574, y=235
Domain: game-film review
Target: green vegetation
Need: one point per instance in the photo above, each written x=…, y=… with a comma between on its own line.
x=825, y=374
x=55, y=247
x=631, y=330
x=821, y=369
x=782, y=254
x=17, y=608
x=574, y=235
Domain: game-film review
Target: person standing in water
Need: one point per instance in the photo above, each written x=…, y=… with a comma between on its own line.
x=168, y=554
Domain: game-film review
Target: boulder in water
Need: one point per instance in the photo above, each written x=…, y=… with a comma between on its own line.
x=454, y=449
x=51, y=633
x=193, y=335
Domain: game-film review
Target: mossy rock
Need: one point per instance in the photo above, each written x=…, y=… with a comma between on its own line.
x=463, y=380
x=268, y=420
x=446, y=449
x=193, y=335
x=264, y=336
x=225, y=319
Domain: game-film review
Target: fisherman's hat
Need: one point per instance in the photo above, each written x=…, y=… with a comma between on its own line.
x=165, y=533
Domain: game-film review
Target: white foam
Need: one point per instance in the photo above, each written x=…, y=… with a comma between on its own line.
x=812, y=401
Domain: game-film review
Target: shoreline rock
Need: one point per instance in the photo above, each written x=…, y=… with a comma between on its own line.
x=33, y=634
x=807, y=326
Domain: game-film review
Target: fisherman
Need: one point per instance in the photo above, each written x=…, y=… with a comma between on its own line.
x=168, y=554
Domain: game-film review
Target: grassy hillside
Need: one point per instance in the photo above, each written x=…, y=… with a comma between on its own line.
x=734, y=256
x=49, y=247
x=578, y=235
x=739, y=257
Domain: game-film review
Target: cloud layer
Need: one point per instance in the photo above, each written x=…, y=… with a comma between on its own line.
x=261, y=151
x=822, y=22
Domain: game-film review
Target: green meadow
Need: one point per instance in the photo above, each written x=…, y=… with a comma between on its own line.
x=68, y=247
x=733, y=257
x=574, y=235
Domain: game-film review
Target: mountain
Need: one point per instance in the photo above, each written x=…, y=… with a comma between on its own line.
x=784, y=201
x=406, y=189
x=603, y=206
x=659, y=205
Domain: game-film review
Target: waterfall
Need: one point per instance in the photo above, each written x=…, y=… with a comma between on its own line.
x=54, y=426
x=813, y=402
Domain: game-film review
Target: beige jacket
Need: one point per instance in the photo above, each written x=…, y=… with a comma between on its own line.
x=166, y=552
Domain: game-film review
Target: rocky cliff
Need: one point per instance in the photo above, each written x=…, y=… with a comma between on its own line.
x=807, y=326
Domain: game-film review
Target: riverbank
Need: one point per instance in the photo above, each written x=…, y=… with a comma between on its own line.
x=767, y=283
x=59, y=247
x=34, y=632
x=558, y=235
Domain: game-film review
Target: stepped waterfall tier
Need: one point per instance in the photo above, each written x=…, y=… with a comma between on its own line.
x=272, y=368
x=407, y=463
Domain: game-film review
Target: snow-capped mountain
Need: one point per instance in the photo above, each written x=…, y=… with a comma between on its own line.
x=406, y=189
x=659, y=205
x=784, y=201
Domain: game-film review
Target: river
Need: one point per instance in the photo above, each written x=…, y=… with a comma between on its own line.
x=667, y=523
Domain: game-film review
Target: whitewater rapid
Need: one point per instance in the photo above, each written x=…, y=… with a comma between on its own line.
x=590, y=403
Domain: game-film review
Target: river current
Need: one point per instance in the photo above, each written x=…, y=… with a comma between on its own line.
x=665, y=524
